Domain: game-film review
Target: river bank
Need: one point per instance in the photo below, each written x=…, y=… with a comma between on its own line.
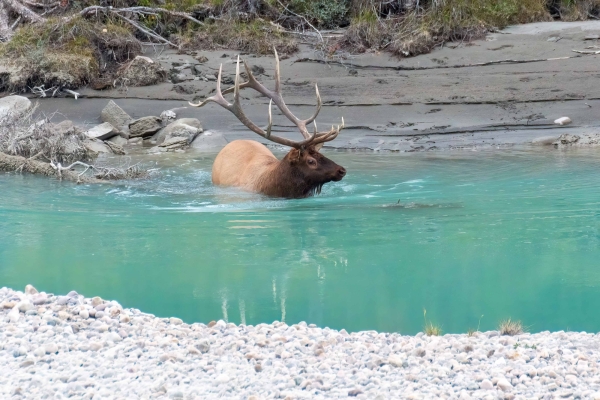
x=504, y=90
x=65, y=346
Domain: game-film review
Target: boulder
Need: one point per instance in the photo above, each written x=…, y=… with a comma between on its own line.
x=114, y=115
x=103, y=131
x=65, y=127
x=566, y=139
x=209, y=141
x=183, y=127
x=145, y=126
x=174, y=143
x=142, y=71
x=14, y=106
x=118, y=140
x=563, y=121
x=115, y=148
x=167, y=116
x=96, y=146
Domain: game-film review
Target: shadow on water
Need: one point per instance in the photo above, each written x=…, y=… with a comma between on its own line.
x=511, y=233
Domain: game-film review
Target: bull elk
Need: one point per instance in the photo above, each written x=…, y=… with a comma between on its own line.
x=252, y=166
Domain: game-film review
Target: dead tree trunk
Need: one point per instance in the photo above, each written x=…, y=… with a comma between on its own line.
x=5, y=31
x=26, y=13
x=21, y=164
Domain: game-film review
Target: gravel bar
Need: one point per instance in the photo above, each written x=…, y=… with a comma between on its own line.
x=54, y=347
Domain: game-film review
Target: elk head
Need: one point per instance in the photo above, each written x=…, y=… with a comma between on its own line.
x=307, y=169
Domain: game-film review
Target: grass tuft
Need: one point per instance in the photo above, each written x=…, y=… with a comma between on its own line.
x=67, y=55
x=257, y=37
x=510, y=327
x=420, y=30
x=431, y=329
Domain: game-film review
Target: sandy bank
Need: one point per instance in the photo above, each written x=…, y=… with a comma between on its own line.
x=436, y=101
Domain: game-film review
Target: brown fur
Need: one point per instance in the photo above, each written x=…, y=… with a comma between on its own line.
x=251, y=166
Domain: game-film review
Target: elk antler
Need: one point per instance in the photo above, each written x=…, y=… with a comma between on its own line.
x=275, y=97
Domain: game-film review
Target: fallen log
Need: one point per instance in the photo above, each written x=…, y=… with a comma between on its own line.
x=10, y=163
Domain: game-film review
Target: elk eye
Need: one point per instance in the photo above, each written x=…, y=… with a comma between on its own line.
x=312, y=162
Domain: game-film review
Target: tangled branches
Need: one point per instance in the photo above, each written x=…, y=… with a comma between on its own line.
x=39, y=139
x=37, y=146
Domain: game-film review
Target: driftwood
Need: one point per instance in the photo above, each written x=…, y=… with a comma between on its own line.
x=23, y=11
x=10, y=163
x=587, y=51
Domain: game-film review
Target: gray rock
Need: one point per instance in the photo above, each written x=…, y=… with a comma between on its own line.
x=545, y=140
x=118, y=118
x=97, y=146
x=30, y=290
x=174, y=143
x=40, y=298
x=14, y=106
x=168, y=116
x=115, y=148
x=486, y=385
x=64, y=127
x=103, y=131
x=566, y=139
x=209, y=141
x=62, y=300
x=504, y=384
x=180, y=77
x=183, y=127
x=72, y=293
x=145, y=126
x=118, y=140
x=51, y=348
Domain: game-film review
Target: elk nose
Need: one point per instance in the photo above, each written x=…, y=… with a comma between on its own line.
x=341, y=172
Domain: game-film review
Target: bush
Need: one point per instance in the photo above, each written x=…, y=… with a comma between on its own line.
x=256, y=37
x=418, y=31
x=67, y=55
x=326, y=14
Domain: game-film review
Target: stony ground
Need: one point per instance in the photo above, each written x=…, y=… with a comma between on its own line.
x=54, y=347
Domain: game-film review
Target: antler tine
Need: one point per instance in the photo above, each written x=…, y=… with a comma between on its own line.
x=236, y=90
x=329, y=136
x=318, y=110
x=277, y=72
x=217, y=98
x=268, y=133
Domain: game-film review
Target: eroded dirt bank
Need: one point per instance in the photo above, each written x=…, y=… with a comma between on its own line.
x=435, y=101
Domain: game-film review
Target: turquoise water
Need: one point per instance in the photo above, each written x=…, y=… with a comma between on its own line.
x=507, y=233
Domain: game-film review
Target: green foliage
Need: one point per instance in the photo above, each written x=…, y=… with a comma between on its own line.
x=321, y=13
x=419, y=31
x=67, y=54
x=258, y=37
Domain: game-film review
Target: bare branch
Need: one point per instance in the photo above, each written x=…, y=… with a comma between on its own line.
x=23, y=11
x=40, y=5
x=147, y=32
x=304, y=18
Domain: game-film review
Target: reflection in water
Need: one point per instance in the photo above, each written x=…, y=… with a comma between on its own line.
x=501, y=234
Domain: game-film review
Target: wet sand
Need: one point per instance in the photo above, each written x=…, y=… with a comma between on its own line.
x=430, y=102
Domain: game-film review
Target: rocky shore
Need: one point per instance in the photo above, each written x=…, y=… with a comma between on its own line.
x=88, y=348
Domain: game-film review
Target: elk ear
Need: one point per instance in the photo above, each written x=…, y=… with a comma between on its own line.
x=319, y=146
x=294, y=155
